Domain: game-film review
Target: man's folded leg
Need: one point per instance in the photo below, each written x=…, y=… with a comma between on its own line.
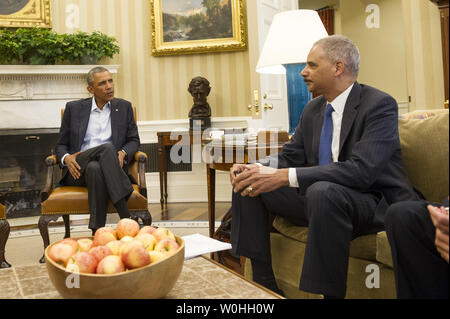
x=250, y=229
x=97, y=195
x=336, y=215
x=116, y=180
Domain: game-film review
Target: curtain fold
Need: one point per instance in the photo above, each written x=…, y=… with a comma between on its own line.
x=327, y=16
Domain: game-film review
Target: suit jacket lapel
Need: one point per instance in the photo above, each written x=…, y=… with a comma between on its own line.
x=350, y=112
x=114, y=121
x=85, y=113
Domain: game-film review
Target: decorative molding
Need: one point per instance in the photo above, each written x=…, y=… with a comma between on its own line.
x=441, y=3
x=44, y=82
x=403, y=107
x=31, y=96
x=51, y=69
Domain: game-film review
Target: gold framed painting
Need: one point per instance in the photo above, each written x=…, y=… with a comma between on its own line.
x=198, y=26
x=25, y=13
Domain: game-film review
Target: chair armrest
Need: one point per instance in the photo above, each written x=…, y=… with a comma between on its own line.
x=50, y=162
x=141, y=158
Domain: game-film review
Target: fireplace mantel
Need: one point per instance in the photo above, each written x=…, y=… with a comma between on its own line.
x=31, y=96
x=51, y=69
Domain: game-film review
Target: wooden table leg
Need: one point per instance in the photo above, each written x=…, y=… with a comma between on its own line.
x=211, y=181
x=4, y=233
x=165, y=178
x=161, y=165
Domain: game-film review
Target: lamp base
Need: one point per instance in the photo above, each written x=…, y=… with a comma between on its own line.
x=298, y=94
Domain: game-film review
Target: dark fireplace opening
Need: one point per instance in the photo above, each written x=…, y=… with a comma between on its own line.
x=23, y=170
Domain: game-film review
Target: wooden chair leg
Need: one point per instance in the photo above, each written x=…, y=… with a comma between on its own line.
x=4, y=233
x=44, y=220
x=144, y=216
x=66, y=219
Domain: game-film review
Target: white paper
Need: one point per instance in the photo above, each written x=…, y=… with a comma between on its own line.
x=197, y=244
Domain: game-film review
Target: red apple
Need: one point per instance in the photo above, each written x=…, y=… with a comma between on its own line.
x=71, y=242
x=61, y=253
x=82, y=262
x=85, y=244
x=115, y=246
x=161, y=233
x=147, y=240
x=126, y=239
x=111, y=264
x=147, y=229
x=127, y=227
x=156, y=255
x=100, y=252
x=167, y=246
x=134, y=255
x=102, y=238
x=106, y=229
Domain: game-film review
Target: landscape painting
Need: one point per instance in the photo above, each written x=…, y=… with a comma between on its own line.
x=196, y=20
x=196, y=26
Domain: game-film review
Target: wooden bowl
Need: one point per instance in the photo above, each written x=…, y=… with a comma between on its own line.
x=149, y=282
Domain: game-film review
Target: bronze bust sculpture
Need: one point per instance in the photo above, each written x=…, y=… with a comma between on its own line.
x=199, y=88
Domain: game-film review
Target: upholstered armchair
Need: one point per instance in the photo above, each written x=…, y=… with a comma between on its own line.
x=67, y=200
x=4, y=233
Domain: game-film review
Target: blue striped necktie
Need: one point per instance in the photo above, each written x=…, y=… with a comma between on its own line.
x=326, y=137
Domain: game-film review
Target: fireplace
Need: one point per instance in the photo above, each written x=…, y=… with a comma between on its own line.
x=22, y=169
x=31, y=99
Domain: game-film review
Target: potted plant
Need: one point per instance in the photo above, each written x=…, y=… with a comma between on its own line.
x=44, y=46
x=89, y=48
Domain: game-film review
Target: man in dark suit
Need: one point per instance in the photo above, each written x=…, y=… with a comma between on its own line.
x=418, y=235
x=97, y=137
x=336, y=176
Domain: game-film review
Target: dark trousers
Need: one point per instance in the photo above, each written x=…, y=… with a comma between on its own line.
x=334, y=215
x=420, y=271
x=105, y=180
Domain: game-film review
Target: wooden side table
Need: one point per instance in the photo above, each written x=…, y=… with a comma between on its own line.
x=170, y=138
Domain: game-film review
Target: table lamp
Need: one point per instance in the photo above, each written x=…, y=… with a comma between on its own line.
x=290, y=38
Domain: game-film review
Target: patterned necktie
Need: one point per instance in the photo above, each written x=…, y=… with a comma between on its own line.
x=326, y=137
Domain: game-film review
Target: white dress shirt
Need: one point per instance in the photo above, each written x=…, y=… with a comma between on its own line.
x=338, y=105
x=98, y=131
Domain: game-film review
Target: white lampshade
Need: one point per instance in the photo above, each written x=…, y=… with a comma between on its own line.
x=291, y=37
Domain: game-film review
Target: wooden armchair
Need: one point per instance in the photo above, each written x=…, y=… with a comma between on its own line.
x=66, y=200
x=4, y=233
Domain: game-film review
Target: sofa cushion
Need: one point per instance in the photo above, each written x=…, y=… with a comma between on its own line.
x=425, y=147
x=384, y=254
x=363, y=247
